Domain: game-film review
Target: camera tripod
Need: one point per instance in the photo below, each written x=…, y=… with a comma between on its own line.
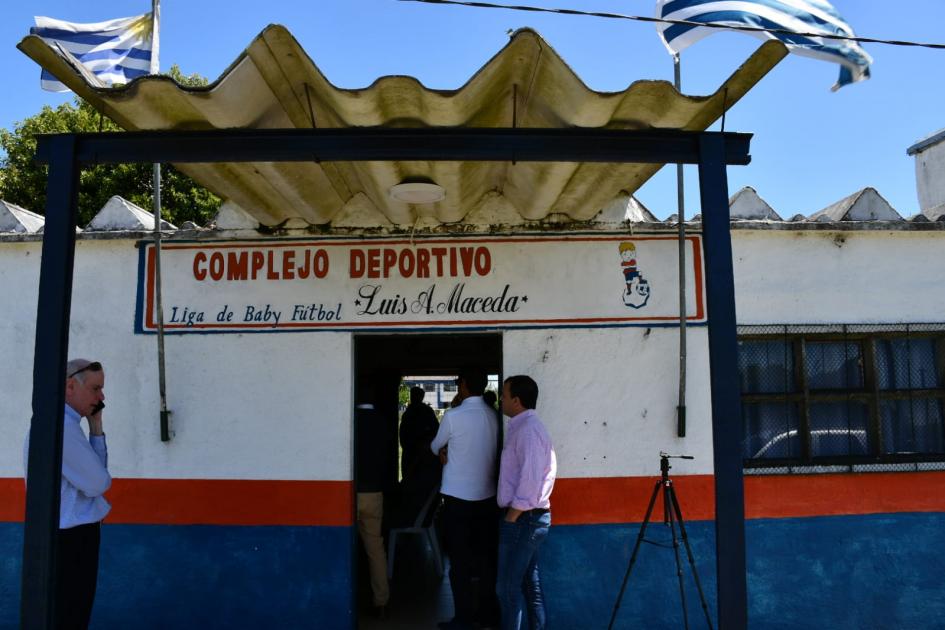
x=671, y=515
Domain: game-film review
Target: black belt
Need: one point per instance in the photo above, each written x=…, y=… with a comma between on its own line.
x=538, y=511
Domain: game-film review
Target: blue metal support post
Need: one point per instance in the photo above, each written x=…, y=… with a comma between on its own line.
x=41, y=528
x=723, y=367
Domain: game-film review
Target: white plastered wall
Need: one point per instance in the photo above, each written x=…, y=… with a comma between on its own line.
x=19, y=282
x=929, y=166
x=608, y=397
x=819, y=277
x=251, y=406
x=278, y=406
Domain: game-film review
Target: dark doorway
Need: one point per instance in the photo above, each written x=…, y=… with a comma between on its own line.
x=419, y=598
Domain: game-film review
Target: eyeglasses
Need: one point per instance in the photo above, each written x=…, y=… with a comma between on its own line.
x=94, y=366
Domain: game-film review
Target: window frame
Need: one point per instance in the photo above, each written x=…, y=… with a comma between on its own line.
x=798, y=337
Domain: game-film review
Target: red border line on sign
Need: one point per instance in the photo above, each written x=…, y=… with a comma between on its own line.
x=697, y=271
x=434, y=241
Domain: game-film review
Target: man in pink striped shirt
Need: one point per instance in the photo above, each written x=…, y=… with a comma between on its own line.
x=526, y=479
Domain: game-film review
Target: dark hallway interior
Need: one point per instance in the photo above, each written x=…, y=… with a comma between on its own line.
x=419, y=598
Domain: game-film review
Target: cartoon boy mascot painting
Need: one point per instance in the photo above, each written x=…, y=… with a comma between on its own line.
x=637, y=290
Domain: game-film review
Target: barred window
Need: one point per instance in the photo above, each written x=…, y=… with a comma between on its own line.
x=844, y=395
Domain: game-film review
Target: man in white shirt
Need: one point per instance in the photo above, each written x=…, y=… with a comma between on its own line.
x=85, y=479
x=469, y=434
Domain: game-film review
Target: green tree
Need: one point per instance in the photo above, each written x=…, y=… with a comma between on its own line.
x=403, y=394
x=23, y=182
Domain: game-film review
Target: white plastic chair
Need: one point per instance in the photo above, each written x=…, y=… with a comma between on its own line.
x=418, y=528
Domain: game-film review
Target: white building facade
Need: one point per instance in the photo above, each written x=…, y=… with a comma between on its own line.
x=254, y=492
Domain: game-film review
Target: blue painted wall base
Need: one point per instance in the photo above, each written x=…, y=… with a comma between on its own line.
x=155, y=576
x=582, y=568
x=879, y=571
x=845, y=572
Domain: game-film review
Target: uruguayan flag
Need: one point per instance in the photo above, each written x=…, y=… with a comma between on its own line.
x=115, y=51
x=799, y=16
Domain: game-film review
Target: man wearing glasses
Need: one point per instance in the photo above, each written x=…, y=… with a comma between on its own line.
x=82, y=505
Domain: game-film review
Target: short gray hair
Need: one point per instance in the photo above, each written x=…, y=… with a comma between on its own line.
x=76, y=369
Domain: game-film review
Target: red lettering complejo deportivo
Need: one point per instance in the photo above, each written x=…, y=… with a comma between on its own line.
x=284, y=264
x=420, y=262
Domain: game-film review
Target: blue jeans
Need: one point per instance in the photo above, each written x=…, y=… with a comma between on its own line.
x=517, y=579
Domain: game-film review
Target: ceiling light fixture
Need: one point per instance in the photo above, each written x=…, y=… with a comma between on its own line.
x=417, y=192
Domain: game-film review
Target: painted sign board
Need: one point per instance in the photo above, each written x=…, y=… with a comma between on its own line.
x=491, y=282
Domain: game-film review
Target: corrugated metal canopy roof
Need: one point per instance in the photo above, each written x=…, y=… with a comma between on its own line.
x=274, y=84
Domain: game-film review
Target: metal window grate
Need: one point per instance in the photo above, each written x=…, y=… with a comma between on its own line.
x=861, y=397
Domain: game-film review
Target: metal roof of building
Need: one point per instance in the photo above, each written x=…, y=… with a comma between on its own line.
x=274, y=84
x=13, y=218
x=863, y=205
x=864, y=210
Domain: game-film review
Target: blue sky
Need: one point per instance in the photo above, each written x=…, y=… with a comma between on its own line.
x=812, y=147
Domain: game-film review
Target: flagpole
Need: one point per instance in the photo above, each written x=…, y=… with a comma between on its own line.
x=158, y=293
x=681, y=210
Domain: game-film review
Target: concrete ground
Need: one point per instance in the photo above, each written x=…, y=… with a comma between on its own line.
x=419, y=599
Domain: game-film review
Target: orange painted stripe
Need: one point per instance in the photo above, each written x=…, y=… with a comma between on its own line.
x=624, y=499
x=579, y=501
x=780, y=496
x=575, y=501
x=12, y=499
x=212, y=502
